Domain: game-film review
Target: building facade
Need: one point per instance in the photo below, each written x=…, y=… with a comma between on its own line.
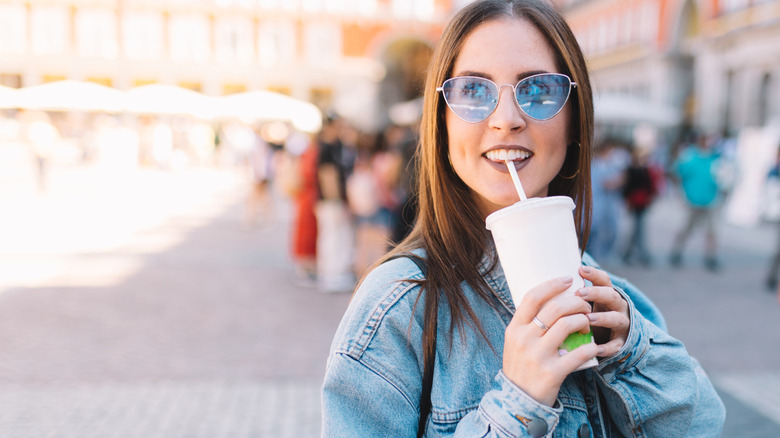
x=355, y=56
x=709, y=65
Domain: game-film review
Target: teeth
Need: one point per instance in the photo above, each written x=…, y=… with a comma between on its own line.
x=507, y=154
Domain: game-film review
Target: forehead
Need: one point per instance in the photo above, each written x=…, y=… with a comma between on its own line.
x=507, y=45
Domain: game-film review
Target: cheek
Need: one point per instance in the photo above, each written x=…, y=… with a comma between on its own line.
x=563, y=138
x=458, y=139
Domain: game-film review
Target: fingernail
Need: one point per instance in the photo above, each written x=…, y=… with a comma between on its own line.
x=568, y=279
x=593, y=317
x=583, y=292
x=586, y=269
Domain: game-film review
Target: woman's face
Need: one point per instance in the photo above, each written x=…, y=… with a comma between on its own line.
x=505, y=51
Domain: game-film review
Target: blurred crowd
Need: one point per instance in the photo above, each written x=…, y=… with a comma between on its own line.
x=350, y=192
x=628, y=178
x=118, y=142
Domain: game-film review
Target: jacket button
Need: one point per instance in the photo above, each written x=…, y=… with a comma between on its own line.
x=537, y=428
x=584, y=431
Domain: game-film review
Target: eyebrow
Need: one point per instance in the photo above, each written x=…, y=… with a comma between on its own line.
x=519, y=77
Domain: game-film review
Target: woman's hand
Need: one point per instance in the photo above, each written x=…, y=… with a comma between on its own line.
x=531, y=358
x=609, y=318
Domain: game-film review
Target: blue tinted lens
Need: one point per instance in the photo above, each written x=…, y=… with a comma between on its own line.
x=543, y=96
x=470, y=98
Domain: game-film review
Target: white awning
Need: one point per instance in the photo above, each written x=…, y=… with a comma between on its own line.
x=623, y=109
x=70, y=95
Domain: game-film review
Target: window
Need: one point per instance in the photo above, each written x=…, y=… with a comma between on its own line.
x=424, y=9
x=403, y=8
x=96, y=34
x=50, y=29
x=13, y=29
x=312, y=5
x=239, y=3
x=626, y=34
x=336, y=6
x=365, y=8
x=276, y=42
x=323, y=43
x=234, y=40
x=290, y=5
x=603, y=37
x=189, y=38
x=143, y=34
x=649, y=23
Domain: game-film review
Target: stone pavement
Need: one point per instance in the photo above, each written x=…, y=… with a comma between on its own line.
x=141, y=307
x=146, y=309
x=728, y=320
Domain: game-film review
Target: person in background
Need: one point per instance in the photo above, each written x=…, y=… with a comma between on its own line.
x=372, y=196
x=432, y=343
x=334, y=225
x=607, y=173
x=773, y=181
x=695, y=170
x=260, y=160
x=303, y=187
x=405, y=213
x=42, y=137
x=639, y=190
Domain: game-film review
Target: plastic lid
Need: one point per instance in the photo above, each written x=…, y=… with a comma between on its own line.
x=528, y=204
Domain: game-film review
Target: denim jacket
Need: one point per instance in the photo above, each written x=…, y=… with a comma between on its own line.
x=373, y=381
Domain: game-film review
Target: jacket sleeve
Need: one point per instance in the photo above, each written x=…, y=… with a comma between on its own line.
x=653, y=387
x=358, y=401
x=507, y=411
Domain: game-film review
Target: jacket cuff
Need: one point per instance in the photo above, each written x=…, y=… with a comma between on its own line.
x=635, y=347
x=512, y=412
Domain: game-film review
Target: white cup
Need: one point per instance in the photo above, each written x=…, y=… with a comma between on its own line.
x=536, y=241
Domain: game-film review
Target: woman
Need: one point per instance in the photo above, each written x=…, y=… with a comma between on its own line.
x=435, y=345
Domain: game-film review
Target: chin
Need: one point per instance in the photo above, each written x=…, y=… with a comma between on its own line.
x=488, y=206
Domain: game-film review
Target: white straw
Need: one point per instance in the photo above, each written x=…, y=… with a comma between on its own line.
x=516, y=180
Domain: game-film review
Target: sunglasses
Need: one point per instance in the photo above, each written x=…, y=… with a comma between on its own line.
x=540, y=96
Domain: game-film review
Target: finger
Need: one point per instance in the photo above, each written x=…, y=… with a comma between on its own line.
x=604, y=297
x=611, y=348
x=577, y=357
x=561, y=306
x=616, y=321
x=565, y=326
x=536, y=298
x=595, y=276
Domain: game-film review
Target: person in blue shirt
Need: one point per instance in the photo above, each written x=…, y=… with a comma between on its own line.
x=607, y=178
x=432, y=343
x=695, y=170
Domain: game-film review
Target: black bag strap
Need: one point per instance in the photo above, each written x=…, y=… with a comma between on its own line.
x=429, y=357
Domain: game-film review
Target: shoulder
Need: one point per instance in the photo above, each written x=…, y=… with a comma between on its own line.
x=384, y=309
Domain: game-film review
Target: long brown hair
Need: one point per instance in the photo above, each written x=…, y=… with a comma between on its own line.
x=450, y=227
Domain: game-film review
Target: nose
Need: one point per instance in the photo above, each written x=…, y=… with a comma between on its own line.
x=507, y=115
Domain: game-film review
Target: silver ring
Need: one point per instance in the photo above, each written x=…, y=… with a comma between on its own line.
x=540, y=324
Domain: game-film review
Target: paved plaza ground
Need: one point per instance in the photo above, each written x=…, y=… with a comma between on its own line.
x=137, y=304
